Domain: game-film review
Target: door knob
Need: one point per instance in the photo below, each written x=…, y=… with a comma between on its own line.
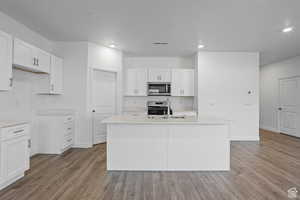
x=279, y=108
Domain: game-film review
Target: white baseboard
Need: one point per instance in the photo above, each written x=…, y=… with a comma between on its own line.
x=269, y=128
x=245, y=138
x=83, y=145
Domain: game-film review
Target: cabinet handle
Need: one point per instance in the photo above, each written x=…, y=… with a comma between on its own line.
x=69, y=128
x=52, y=87
x=69, y=140
x=29, y=143
x=33, y=61
x=19, y=131
x=37, y=62
x=10, y=82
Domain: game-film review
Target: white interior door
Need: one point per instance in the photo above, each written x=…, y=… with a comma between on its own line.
x=104, y=102
x=289, y=118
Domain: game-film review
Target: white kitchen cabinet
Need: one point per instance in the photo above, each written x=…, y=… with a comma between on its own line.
x=43, y=60
x=183, y=83
x=14, y=153
x=136, y=82
x=30, y=58
x=5, y=61
x=56, y=133
x=159, y=75
x=52, y=83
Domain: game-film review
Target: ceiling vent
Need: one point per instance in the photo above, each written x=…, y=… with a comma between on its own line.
x=160, y=43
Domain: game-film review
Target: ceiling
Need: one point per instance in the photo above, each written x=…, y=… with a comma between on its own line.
x=133, y=25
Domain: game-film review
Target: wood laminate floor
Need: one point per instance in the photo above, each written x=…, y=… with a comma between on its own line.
x=259, y=170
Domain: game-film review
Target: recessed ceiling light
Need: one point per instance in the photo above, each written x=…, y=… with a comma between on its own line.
x=288, y=29
x=201, y=46
x=112, y=46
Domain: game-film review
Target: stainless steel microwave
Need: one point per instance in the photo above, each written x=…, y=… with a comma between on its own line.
x=159, y=89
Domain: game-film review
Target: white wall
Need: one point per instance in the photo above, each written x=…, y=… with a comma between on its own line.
x=224, y=80
x=138, y=104
x=269, y=86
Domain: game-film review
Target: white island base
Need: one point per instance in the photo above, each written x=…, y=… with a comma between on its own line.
x=167, y=145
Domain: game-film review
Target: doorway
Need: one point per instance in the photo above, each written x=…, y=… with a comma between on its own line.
x=289, y=106
x=103, y=101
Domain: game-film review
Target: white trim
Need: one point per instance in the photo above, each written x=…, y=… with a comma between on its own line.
x=82, y=145
x=269, y=128
x=245, y=138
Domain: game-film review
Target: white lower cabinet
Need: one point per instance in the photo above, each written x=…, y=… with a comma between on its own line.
x=56, y=133
x=15, y=153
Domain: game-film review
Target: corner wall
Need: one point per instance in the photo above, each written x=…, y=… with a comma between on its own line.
x=224, y=80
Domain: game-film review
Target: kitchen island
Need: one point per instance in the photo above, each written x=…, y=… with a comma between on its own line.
x=137, y=143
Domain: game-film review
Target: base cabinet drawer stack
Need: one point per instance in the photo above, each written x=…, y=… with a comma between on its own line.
x=56, y=133
x=14, y=153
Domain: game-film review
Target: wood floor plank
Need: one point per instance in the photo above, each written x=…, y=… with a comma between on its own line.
x=259, y=170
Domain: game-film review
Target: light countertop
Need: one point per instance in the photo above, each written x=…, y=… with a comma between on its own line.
x=140, y=119
x=10, y=123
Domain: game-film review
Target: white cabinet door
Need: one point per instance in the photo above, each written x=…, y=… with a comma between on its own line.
x=56, y=75
x=14, y=157
x=23, y=54
x=183, y=83
x=141, y=82
x=136, y=82
x=43, y=61
x=289, y=110
x=5, y=61
x=30, y=58
x=159, y=75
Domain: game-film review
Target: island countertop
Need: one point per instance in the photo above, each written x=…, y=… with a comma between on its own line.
x=143, y=119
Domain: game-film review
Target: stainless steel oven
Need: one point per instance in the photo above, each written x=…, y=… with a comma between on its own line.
x=157, y=107
x=159, y=89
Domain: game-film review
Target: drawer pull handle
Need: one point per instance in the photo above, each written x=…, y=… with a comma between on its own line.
x=69, y=140
x=69, y=118
x=69, y=128
x=19, y=131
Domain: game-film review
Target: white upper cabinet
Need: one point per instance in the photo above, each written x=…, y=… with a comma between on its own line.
x=23, y=54
x=183, y=83
x=43, y=60
x=52, y=83
x=5, y=61
x=56, y=80
x=30, y=58
x=136, y=82
x=159, y=75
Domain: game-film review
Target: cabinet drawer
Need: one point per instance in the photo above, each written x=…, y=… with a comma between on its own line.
x=14, y=132
x=69, y=127
x=68, y=140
